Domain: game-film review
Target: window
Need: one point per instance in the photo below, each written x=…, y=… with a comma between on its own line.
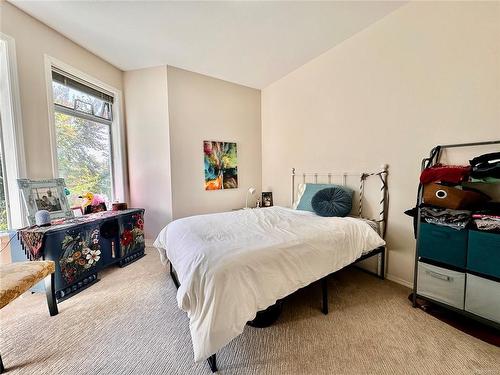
x=12, y=163
x=83, y=118
x=4, y=217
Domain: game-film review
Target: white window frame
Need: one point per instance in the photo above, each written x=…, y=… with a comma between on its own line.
x=119, y=165
x=12, y=131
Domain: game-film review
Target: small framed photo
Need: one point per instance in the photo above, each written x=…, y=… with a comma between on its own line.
x=267, y=199
x=45, y=195
x=77, y=211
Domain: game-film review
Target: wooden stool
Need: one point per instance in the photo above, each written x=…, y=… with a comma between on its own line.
x=17, y=278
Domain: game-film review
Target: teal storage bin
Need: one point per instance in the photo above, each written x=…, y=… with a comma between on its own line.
x=443, y=244
x=484, y=253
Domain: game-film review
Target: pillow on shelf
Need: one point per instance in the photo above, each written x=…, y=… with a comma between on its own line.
x=330, y=202
x=307, y=191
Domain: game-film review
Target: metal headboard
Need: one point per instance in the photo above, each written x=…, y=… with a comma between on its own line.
x=384, y=191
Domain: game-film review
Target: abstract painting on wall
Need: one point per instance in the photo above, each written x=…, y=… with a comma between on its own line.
x=221, y=165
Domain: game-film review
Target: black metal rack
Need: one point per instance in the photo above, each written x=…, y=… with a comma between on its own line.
x=434, y=158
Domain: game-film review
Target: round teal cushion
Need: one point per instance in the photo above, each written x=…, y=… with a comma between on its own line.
x=331, y=202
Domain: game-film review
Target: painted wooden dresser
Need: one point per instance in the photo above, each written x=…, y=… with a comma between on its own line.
x=81, y=247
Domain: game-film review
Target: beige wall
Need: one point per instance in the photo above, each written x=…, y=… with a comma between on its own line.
x=203, y=108
x=169, y=113
x=34, y=39
x=148, y=144
x=427, y=74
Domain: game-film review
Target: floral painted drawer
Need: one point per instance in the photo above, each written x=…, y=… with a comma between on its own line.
x=78, y=256
x=80, y=253
x=131, y=237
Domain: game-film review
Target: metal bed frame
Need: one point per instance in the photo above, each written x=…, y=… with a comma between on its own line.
x=381, y=221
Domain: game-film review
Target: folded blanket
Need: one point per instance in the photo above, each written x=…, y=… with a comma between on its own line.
x=488, y=223
x=456, y=219
x=453, y=174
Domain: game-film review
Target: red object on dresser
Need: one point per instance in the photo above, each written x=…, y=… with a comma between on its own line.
x=453, y=174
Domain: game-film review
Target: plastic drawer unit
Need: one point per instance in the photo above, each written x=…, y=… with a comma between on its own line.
x=441, y=284
x=483, y=297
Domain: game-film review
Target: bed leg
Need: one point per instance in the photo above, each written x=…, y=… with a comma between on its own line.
x=324, y=292
x=382, y=265
x=174, y=276
x=212, y=362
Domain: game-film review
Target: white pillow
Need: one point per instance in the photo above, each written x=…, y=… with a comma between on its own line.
x=300, y=192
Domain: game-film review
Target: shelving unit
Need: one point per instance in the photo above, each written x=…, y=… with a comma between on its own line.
x=457, y=269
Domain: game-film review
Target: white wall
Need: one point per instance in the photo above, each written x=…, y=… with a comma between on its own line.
x=33, y=39
x=170, y=112
x=427, y=74
x=148, y=144
x=204, y=108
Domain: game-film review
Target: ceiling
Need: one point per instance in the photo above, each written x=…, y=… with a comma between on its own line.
x=251, y=43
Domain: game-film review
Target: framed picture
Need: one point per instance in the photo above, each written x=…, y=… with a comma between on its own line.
x=77, y=211
x=267, y=199
x=45, y=195
x=221, y=165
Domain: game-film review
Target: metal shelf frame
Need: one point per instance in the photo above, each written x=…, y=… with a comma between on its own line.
x=434, y=157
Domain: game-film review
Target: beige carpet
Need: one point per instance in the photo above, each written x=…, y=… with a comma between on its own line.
x=128, y=323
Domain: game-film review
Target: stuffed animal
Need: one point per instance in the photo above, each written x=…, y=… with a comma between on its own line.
x=92, y=203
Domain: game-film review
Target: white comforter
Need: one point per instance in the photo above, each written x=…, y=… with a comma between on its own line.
x=233, y=264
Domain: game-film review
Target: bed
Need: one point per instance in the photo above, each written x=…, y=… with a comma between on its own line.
x=264, y=255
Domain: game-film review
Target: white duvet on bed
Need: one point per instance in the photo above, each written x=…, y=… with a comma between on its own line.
x=233, y=264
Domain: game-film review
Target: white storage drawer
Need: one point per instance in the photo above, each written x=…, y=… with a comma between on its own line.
x=441, y=284
x=483, y=297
